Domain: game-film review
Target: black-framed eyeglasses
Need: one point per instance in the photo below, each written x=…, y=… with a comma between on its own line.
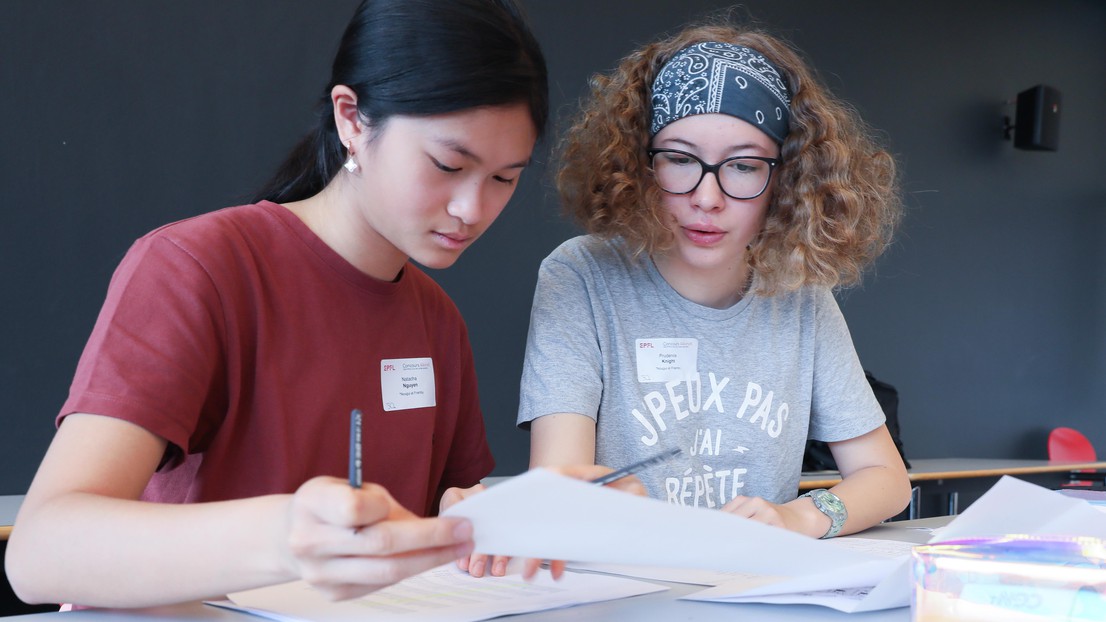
x=741, y=178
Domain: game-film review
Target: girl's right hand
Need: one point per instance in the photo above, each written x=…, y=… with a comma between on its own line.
x=348, y=542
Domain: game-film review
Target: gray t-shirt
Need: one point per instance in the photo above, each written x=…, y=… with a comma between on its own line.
x=739, y=390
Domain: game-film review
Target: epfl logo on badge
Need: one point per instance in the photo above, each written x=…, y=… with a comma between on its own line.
x=665, y=358
x=407, y=383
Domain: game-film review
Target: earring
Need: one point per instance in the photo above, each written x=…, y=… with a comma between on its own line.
x=351, y=164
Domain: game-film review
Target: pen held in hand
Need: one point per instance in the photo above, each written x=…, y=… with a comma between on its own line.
x=637, y=467
x=355, y=448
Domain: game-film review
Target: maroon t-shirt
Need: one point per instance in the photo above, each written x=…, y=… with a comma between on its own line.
x=245, y=341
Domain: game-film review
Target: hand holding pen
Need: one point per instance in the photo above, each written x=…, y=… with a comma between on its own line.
x=348, y=538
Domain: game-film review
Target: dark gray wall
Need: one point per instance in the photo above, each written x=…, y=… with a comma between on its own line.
x=989, y=313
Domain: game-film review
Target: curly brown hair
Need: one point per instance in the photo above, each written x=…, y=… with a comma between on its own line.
x=835, y=203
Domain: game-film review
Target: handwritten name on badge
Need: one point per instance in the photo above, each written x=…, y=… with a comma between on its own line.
x=666, y=358
x=407, y=383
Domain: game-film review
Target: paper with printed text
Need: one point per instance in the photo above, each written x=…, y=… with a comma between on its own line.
x=443, y=594
x=544, y=515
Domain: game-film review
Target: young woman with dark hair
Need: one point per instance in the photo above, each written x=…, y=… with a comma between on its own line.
x=202, y=447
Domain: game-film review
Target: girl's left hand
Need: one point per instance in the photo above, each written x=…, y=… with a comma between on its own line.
x=477, y=563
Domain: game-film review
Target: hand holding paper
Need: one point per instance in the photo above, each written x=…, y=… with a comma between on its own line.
x=542, y=515
x=476, y=565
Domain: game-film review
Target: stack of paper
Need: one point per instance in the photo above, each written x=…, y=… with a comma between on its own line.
x=1097, y=498
x=543, y=515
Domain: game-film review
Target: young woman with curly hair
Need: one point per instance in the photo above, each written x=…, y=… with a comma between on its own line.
x=725, y=193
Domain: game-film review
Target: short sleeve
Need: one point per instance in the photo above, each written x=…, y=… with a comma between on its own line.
x=562, y=369
x=842, y=405
x=154, y=355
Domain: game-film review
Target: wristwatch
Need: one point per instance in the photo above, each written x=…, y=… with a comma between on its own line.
x=830, y=505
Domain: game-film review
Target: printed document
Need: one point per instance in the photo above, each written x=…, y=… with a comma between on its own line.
x=443, y=594
x=543, y=515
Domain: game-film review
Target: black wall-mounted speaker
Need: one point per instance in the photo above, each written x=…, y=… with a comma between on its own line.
x=1037, y=121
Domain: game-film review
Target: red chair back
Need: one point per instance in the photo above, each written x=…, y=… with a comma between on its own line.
x=1069, y=444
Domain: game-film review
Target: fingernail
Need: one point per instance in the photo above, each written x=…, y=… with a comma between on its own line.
x=477, y=569
x=500, y=568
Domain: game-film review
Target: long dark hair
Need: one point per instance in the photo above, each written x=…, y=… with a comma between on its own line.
x=418, y=57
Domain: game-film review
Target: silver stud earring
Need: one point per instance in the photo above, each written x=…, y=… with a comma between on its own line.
x=351, y=164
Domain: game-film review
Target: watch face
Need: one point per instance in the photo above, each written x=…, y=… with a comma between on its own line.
x=832, y=506
x=831, y=502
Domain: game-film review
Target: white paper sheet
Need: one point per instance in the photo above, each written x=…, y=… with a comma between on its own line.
x=1011, y=506
x=891, y=549
x=543, y=515
x=883, y=584
x=690, y=576
x=444, y=594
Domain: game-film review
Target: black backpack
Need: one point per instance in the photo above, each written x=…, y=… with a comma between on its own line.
x=818, y=456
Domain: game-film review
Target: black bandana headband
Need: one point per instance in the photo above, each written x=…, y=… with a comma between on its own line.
x=722, y=78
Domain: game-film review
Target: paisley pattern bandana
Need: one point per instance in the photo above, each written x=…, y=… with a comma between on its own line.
x=716, y=77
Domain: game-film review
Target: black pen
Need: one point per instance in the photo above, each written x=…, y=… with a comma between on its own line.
x=637, y=467
x=355, y=448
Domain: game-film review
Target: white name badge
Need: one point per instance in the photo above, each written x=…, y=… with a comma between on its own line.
x=664, y=359
x=407, y=383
